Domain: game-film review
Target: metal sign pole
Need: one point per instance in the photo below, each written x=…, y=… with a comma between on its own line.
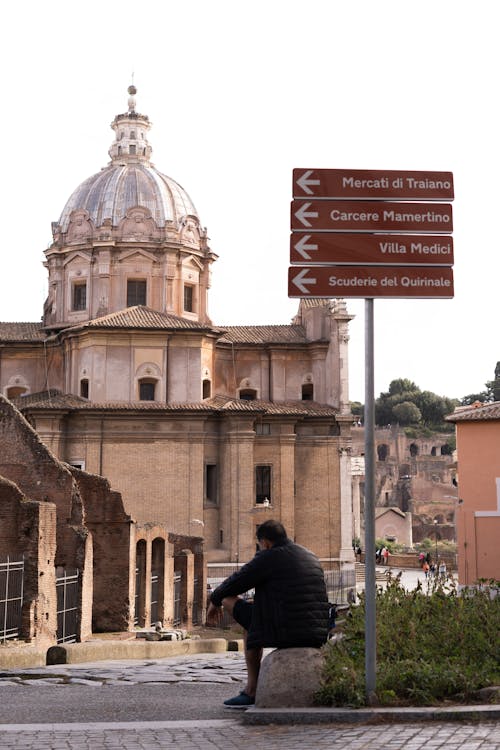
x=370, y=589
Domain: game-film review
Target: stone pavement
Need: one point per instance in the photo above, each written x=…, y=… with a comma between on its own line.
x=228, y=734
x=177, y=702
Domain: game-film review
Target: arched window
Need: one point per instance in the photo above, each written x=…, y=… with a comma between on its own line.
x=84, y=388
x=307, y=392
x=147, y=388
x=15, y=391
x=413, y=450
x=382, y=451
x=206, y=388
x=248, y=394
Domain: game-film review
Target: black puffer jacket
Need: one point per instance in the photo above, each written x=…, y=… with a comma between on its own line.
x=290, y=602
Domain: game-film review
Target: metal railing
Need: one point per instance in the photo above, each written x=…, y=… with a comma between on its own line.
x=338, y=584
x=68, y=590
x=177, y=599
x=155, y=596
x=195, y=613
x=11, y=597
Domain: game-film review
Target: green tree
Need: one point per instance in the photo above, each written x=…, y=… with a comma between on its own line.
x=407, y=413
x=402, y=385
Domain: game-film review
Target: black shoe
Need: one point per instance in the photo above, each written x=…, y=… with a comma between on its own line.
x=240, y=701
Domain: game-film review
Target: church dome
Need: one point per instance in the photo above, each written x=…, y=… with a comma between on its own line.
x=129, y=181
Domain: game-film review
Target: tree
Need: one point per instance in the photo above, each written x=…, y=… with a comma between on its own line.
x=430, y=409
x=407, y=413
x=402, y=385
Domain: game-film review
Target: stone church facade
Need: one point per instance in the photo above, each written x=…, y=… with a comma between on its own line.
x=207, y=431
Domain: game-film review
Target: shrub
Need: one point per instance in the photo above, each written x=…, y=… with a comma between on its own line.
x=432, y=645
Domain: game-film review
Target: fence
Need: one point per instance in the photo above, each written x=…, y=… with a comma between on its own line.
x=177, y=599
x=338, y=582
x=155, y=596
x=68, y=590
x=11, y=598
x=196, y=606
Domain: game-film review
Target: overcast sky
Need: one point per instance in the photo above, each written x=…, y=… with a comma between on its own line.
x=241, y=93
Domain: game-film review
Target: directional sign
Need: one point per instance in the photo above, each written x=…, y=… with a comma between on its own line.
x=371, y=216
x=358, y=184
x=370, y=281
x=380, y=249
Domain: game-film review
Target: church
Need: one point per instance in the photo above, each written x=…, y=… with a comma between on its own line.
x=205, y=431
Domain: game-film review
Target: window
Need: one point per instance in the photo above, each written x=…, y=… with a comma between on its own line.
x=262, y=429
x=77, y=464
x=80, y=296
x=307, y=392
x=16, y=391
x=211, y=484
x=248, y=394
x=382, y=451
x=84, y=388
x=136, y=292
x=188, y=298
x=147, y=390
x=263, y=485
x=131, y=149
x=207, y=389
x=132, y=134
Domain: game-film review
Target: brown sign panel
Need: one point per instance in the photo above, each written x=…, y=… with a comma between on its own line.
x=371, y=216
x=359, y=184
x=370, y=281
x=365, y=249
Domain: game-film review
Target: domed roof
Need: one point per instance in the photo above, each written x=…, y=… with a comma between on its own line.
x=130, y=180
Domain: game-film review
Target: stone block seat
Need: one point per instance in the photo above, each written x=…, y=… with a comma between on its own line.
x=289, y=678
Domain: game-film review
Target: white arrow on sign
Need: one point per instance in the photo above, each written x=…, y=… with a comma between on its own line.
x=302, y=247
x=303, y=182
x=300, y=281
x=303, y=214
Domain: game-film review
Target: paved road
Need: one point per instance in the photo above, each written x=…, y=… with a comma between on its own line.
x=177, y=702
x=229, y=734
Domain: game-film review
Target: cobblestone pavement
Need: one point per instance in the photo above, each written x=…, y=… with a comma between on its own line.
x=228, y=734
x=225, y=668
x=190, y=688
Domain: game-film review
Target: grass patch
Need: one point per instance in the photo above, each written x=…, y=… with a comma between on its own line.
x=434, y=644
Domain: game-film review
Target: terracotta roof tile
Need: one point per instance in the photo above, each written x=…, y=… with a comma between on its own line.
x=22, y=332
x=142, y=317
x=477, y=413
x=54, y=399
x=272, y=334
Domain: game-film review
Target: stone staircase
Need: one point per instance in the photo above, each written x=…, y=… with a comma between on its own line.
x=380, y=576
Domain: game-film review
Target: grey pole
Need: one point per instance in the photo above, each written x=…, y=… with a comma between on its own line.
x=370, y=589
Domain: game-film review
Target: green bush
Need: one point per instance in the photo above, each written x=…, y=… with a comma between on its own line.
x=432, y=645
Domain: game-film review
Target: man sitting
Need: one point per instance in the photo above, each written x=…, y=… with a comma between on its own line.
x=290, y=606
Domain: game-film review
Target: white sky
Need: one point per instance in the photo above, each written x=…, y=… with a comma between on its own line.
x=241, y=93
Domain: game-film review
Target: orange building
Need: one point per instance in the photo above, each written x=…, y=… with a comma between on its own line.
x=478, y=510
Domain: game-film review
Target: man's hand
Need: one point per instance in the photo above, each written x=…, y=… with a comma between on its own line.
x=214, y=614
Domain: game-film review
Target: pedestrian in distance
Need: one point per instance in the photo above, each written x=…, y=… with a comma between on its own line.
x=290, y=605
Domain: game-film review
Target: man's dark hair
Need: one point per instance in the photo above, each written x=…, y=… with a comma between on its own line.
x=273, y=531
